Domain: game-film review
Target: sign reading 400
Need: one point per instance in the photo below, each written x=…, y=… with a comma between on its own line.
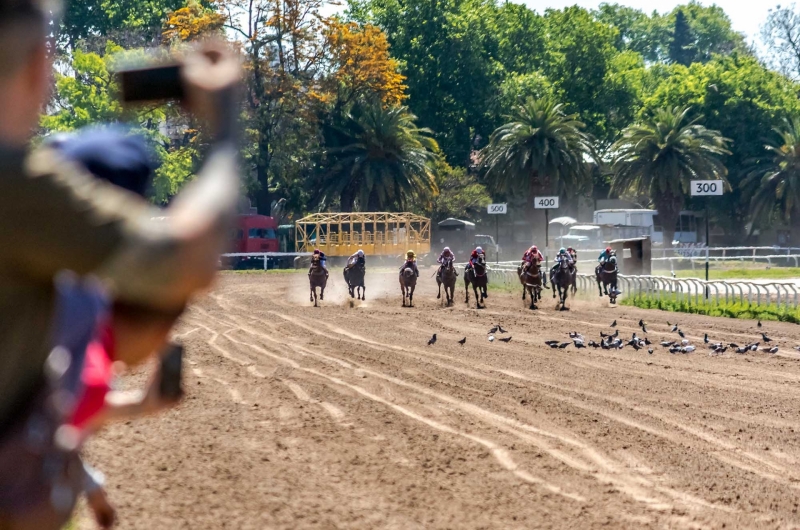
x=545, y=203
x=707, y=187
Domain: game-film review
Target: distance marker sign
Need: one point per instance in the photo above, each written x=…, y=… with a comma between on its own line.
x=545, y=203
x=702, y=188
x=499, y=208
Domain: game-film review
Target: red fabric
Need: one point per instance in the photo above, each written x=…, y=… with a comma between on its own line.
x=96, y=377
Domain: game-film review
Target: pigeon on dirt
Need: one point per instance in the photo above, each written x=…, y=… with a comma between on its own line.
x=432, y=340
x=603, y=335
x=551, y=342
x=744, y=349
x=753, y=347
x=685, y=342
x=681, y=334
x=774, y=349
x=491, y=338
x=616, y=334
x=641, y=323
x=667, y=344
x=733, y=345
x=647, y=342
x=578, y=343
x=650, y=351
x=705, y=338
x=553, y=345
x=759, y=324
x=668, y=323
x=507, y=339
x=593, y=344
x=563, y=345
x=674, y=328
x=493, y=331
x=614, y=324
x=687, y=349
x=644, y=328
x=463, y=341
x=500, y=329
x=766, y=339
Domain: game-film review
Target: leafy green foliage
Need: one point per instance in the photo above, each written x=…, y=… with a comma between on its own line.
x=541, y=148
x=681, y=49
x=460, y=194
x=382, y=161
x=659, y=157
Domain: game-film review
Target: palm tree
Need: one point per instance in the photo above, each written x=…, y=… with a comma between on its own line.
x=382, y=161
x=660, y=156
x=776, y=181
x=540, y=150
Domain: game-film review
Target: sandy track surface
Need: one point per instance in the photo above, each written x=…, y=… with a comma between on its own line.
x=343, y=417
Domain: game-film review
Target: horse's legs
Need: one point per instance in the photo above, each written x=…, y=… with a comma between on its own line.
x=466, y=289
x=439, y=284
x=411, y=296
x=524, y=290
x=477, y=296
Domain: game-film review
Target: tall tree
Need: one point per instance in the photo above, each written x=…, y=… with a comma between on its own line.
x=383, y=162
x=774, y=183
x=541, y=149
x=781, y=35
x=658, y=158
x=681, y=48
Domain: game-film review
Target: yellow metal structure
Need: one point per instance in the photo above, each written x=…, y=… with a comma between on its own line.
x=377, y=234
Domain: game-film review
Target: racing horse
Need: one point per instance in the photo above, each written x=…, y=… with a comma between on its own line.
x=317, y=278
x=531, y=279
x=476, y=275
x=447, y=278
x=408, y=282
x=354, y=277
x=607, y=275
x=562, y=279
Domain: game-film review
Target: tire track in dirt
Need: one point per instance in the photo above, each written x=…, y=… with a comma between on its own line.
x=592, y=463
x=500, y=454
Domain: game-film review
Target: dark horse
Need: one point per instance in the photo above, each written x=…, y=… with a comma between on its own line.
x=531, y=279
x=354, y=277
x=317, y=278
x=607, y=275
x=476, y=275
x=562, y=279
x=448, y=278
x=408, y=283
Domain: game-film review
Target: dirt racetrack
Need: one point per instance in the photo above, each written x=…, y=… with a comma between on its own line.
x=343, y=417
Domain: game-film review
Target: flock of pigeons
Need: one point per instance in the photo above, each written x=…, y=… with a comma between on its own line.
x=682, y=345
x=612, y=341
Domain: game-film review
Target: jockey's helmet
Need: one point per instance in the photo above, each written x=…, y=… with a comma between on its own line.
x=562, y=251
x=316, y=251
x=360, y=253
x=411, y=254
x=570, y=249
x=608, y=250
x=479, y=250
x=534, y=248
x=447, y=250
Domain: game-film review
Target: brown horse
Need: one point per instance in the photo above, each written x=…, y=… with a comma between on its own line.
x=531, y=279
x=317, y=277
x=476, y=275
x=408, y=282
x=448, y=278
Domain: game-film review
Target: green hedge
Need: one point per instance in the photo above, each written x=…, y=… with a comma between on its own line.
x=730, y=310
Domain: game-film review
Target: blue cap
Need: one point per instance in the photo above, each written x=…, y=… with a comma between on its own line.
x=112, y=154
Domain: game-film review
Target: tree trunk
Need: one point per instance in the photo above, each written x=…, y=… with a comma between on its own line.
x=669, y=211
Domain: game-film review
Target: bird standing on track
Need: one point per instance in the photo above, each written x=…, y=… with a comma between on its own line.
x=766, y=339
x=705, y=338
x=774, y=349
x=681, y=334
x=563, y=345
x=463, y=341
x=432, y=340
x=493, y=330
x=507, y=339
x=674, y=328
x=614, y=324
x=759, y=323
x=500, y=329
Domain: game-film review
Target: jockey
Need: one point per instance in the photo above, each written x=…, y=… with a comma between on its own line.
x=474, y=256
x=323, y=261
x=562, y=256
x=411, y=261
x=528, y=258
x=604, y=256
x=446, y=254
x=357, y=258
x=573, y=253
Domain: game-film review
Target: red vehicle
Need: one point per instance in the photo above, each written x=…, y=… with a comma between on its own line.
x=253, y=234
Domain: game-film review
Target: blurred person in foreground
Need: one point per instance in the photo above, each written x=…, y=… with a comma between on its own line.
x=54, y=216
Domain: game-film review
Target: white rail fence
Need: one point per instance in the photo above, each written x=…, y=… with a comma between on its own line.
x=778, y=294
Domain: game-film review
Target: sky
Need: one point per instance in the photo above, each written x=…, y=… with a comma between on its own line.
x=746, y=15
